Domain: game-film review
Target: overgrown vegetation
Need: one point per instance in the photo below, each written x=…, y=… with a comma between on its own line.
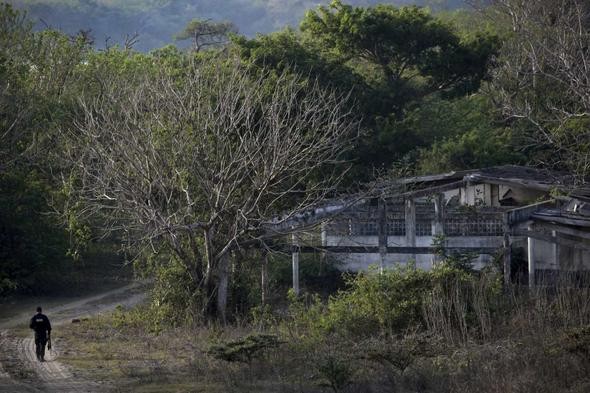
x=407, y=330
x=194, y=162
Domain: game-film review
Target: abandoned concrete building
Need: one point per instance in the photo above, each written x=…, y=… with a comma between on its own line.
x=489, y=213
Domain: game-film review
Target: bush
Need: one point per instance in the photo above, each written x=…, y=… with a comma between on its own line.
x=244, y=350
x=461, y=305
x=337, y=373
x=452, y=302
x=390, y=302
x=175, y=300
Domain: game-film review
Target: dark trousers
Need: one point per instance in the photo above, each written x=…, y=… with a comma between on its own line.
x=40, y=342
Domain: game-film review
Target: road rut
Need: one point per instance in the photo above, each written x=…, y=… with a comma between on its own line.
x=21, y=372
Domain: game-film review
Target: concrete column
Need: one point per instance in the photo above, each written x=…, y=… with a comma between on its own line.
x=555, y=250
x=324, y=242
x=382, y=232
x=438, y=224
x=410, y=220
x=531, y=257
x=295, y=258
x=439, y=214
x=507, y=245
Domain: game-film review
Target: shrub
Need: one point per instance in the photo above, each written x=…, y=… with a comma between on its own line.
x=461, y=305
x=336, y=371
x=450, y=301
x=244, y=350
x=175, y=299
x=390, y=302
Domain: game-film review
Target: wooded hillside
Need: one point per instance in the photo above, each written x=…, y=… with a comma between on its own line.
x=157, y=21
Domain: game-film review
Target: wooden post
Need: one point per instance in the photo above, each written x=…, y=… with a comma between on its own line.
x=531, y=257
x=410, y=220
x=382, y=232
x=295, y=259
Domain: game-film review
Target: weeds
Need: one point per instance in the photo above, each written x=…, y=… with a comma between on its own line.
x=244, y=350
x=448, y=330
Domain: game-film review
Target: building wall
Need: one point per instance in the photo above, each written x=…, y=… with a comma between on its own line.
x=461, y=231
x=559, y=257
x=361, y=262
x=545, y=255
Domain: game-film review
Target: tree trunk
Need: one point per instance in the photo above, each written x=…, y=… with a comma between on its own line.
x=264, y=278
x=222, y=287
x=209, y=290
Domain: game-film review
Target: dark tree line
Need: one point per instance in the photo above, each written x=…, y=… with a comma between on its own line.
x=186, y=157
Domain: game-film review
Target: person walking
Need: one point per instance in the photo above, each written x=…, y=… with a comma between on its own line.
x=40, y=324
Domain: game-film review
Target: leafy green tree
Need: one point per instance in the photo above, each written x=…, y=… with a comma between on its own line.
x=406, y=58
x=405, y=52
x=39, y=74
x=392, y=61
x=289, y=51
x=460, y=134
x=206, y=33
x=16, y=40
x=32, y=243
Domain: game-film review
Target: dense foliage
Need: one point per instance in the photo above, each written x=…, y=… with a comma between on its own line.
x=185, y=158
x=157, y=21
x=140, y=144
x=397, y=62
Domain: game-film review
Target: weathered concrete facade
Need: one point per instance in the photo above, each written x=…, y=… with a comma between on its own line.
x=490, y=212
x=487, y=212
x=416, y=229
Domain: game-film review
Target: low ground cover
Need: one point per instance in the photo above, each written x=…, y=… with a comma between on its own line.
x=448, y=330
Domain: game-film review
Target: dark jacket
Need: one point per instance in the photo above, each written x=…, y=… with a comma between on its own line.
x=40, y=324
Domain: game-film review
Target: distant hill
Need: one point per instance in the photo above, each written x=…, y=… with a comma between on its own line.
x=156, y=21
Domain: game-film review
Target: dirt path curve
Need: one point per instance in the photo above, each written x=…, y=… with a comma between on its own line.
x=19, y=369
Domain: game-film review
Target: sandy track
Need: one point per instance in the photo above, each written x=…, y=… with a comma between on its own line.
x=53, y=375
x=20, y=371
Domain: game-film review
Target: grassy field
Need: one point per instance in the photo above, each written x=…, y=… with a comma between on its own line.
x=108, y=348
x=530, y=342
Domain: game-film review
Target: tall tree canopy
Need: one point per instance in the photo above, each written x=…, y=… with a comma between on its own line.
x=38, y=86
x=405, y=51
x=391, y=60
x=206, y=33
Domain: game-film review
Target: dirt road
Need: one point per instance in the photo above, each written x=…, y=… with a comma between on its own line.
x=19, y=369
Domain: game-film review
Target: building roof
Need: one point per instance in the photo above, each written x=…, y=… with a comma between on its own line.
x=539, y=179
x=418, y=186
x=528, y=177
x=574, y=212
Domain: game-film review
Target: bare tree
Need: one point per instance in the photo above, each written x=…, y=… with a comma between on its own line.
x=544, y=76
x=203, y=164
